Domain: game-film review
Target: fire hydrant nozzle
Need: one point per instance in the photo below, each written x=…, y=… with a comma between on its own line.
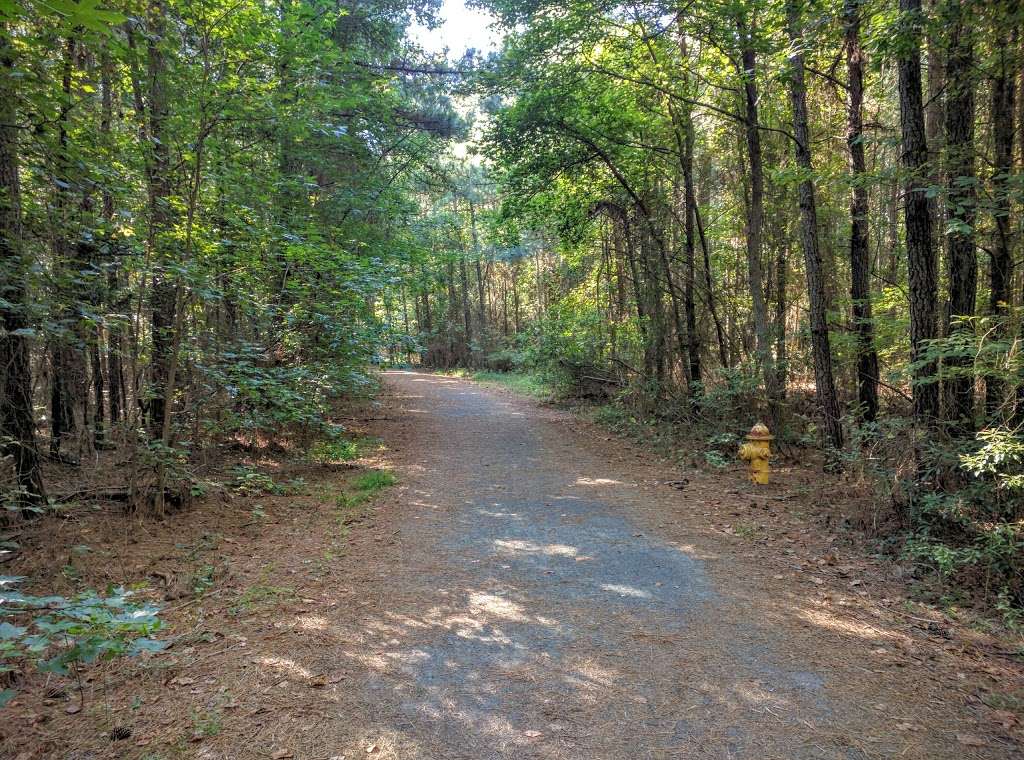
x=757, y=450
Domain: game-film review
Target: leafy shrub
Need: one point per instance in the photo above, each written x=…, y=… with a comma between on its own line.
x=265, y=396
x=973, y=534
x=248, y=481
x=506, y=360
x=333, y=451
x=59, y=634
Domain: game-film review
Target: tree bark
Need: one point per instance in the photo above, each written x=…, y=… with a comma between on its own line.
x=824, y=379
x=960, y=211
x=163, y=295
x=860, y=249
x=17, y=420
x=1001, y=270
x=921, y=258
x=114, y=378
x=67, y=359
x=755, y=220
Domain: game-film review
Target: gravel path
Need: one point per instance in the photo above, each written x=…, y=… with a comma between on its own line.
x=542, y=599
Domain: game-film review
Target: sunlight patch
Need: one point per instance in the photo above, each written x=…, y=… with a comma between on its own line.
x=626, y=590
x=496, y=605
x=552, y=550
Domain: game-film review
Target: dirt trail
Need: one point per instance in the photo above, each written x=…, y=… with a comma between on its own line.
x=530, y=590
x=541, y=599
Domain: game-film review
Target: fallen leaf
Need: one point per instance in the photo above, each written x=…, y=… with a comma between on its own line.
x=532, y=734
x=281, y=754
x=1006, y=718
x=72, y=709
x=970, y=740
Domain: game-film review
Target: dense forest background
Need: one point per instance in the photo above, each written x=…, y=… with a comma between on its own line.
x=215, y=215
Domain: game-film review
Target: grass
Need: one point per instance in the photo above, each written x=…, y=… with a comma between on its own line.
x=524, y=383
x=352, y=502
x=374, y=481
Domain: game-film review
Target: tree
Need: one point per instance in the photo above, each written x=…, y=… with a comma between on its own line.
x=17, y=420
x=960, y=208
x=921, y=259
x=823, y=378
x=860, y=248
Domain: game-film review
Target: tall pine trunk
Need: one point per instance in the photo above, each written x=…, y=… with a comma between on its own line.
x=824, y=379
x=960, y=212
x=1001, y=269
x=17, y=419
x=755, y=220
x=860, y=251
x=163, y=296
x=921, y=258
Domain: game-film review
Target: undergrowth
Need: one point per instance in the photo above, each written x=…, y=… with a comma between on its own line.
x=524, y=383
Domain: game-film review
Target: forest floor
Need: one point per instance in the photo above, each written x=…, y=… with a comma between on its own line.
x=530, y=588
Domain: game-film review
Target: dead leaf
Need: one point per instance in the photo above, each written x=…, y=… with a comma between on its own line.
x=72, y=709
x=970, y=740
x=182, y=681
x=371, y=749
x=532, y=734
x=281, y=754
x=1005, y=718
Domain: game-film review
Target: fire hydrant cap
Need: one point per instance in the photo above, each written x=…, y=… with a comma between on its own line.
x=760, y=433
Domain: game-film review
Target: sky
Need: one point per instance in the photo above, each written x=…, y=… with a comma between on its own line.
x=462, y=28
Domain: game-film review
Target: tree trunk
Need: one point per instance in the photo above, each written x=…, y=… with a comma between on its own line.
x=467, y=321
x=690, y=278
x=1001, y=270
x=163, y=296
x=960, y=211
x=67, y=359
x=755, y=221
x=860, y=249
x=781, y=358
x=17, y=420
x=481, y=303
x=921, y=259
x=824, y=378
x=114, y=375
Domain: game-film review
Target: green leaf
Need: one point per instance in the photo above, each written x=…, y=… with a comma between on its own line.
x=8, y=631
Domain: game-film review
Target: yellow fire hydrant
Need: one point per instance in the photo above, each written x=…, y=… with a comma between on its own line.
x=757, y=450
